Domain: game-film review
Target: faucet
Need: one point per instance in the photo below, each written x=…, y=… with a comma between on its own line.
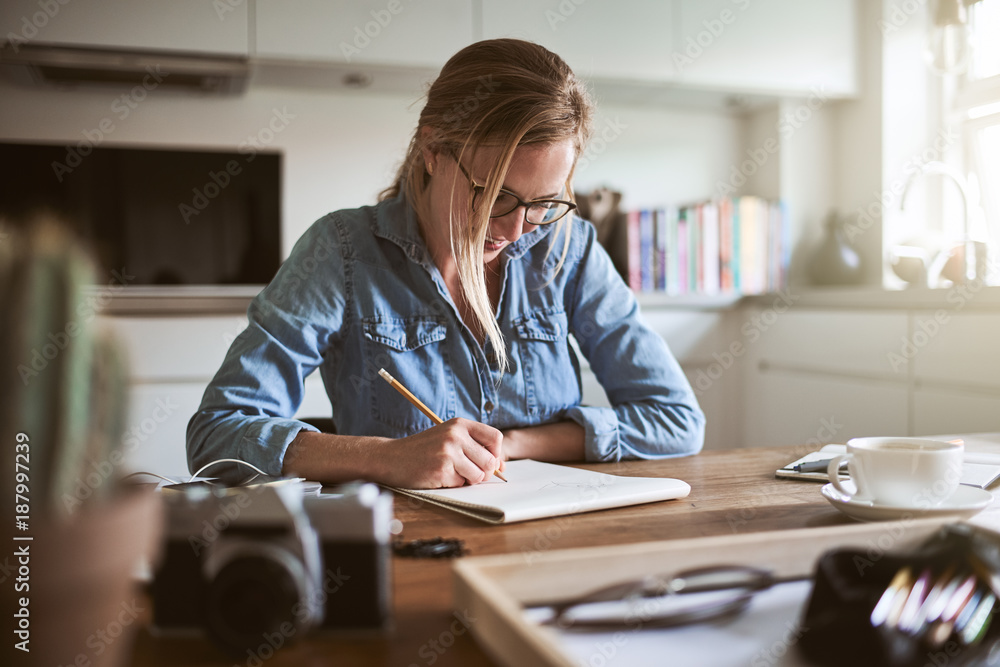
x=936, y=167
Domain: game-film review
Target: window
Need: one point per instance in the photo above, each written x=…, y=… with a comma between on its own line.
x=976, y=106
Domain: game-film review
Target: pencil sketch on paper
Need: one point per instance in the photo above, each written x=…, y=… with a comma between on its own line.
x=583, y=484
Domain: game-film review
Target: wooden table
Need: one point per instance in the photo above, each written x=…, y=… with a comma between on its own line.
x=732, y=492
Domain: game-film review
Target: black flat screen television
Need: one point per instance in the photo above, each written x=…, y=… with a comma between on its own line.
x=160, y=216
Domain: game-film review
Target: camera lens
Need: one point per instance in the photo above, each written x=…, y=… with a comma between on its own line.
x=252, y=602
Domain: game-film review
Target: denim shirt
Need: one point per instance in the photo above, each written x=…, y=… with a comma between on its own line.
x=360, y=292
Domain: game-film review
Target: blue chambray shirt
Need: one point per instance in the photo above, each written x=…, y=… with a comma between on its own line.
x=360, y=292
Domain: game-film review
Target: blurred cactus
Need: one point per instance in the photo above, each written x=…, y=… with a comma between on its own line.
x=63, y=383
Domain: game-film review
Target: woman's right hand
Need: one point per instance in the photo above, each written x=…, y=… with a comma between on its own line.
x=457, y=452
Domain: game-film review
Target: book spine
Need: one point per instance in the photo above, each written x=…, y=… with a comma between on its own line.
x=634, y=254
x=737, y=245
x=672, y=253
x=682, y=251
x=711, y=249
x=660, y=278
x=646, y=249
x=696, y=280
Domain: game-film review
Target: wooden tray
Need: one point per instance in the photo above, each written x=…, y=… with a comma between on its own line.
x=494, y=589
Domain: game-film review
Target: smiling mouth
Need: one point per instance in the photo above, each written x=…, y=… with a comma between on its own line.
x=494, y=245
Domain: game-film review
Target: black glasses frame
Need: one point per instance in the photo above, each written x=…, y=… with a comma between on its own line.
x=478, y=190
x=741, y=582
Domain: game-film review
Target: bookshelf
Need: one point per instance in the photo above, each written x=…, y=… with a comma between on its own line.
x=720, y=248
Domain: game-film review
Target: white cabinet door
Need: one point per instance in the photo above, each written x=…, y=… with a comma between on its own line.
x=373, y=32
x=937, y=411
x=197, y=26
x=771, y=46
x=861, y=343
x=785, y=408
x=955, y=349
x=626, y=39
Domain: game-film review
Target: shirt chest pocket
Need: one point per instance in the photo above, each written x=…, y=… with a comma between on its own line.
x=551, y=380
x=414, y=351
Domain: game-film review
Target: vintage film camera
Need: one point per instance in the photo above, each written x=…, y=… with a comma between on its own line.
x=260, y=566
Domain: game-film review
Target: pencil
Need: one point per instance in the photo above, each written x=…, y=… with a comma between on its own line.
x=397, y=385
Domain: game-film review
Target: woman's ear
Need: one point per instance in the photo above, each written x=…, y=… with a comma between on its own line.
x=431, y=148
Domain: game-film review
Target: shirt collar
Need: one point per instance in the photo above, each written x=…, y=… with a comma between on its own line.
x=396, y=221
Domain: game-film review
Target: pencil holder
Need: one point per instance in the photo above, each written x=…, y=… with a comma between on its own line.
x=905, y=609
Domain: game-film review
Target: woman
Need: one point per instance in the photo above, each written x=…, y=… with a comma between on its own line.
x=463, y=282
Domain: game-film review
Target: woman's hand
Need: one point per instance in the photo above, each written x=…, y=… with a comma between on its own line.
x=457, y=452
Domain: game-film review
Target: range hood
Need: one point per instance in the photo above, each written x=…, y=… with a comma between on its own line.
x=69, y=65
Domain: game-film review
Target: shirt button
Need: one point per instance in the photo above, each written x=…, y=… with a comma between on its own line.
x=489, y=406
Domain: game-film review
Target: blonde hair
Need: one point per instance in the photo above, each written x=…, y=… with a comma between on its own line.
x=501, y=93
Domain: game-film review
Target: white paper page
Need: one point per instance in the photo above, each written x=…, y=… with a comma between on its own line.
x=765, y=634
x=535, y=490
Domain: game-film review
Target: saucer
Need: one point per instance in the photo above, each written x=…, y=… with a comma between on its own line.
x=965, y=502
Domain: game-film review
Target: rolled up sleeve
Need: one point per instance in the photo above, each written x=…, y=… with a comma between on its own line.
x=247, y=410
x=654, y=412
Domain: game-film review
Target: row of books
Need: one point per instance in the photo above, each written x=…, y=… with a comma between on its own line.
x=737, y=245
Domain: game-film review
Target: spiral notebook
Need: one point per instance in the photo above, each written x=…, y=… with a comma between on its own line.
x=537, y=490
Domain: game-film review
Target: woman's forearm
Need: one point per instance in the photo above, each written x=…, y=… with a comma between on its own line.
x=562, y=441
x=332, y=458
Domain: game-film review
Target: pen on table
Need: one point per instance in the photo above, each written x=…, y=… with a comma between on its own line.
x=815, y=466
x=398, y=386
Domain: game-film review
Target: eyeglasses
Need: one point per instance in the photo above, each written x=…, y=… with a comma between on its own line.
x=536, y=212
x=691, y=596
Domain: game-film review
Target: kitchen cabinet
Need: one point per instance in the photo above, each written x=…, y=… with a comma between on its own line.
x=768, y=46
x=171, y=361
x=954, y=349
x=626, y=39
x=765, y=46
x=938, y=411
x=823, y=375
x=906, y=372
x=790, y=408
x=364, y=32
x=189, y=26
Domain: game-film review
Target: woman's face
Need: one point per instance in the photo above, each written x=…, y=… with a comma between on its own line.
x=536, y=172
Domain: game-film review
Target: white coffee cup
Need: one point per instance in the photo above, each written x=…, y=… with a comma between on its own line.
x=900, y=472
